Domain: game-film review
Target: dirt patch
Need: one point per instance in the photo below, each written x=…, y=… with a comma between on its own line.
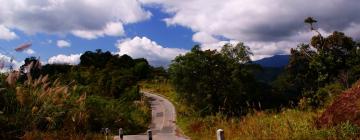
x=345, y=108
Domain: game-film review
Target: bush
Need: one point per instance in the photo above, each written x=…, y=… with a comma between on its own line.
x=116, y=113
x=322, y=97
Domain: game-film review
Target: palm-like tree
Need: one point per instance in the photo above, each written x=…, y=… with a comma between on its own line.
x=310, y=20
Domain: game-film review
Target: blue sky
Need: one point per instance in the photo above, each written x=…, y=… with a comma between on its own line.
x=159, y=30
x=45, y=45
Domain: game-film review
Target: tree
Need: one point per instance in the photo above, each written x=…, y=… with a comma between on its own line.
x=211, y=81
x=311, y=21
x=239, y=53
x=324, y=61
x=30, y=69
x=97, y=59
x=142, y=69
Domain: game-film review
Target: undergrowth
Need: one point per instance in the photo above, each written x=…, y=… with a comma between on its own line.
x=285, y=124
x=41, y=109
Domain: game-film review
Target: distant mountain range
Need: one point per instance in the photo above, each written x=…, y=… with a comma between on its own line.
x=274, y=61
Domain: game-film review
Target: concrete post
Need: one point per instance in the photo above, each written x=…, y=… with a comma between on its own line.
x=121, y=134
x=149, y=133
x=107, y=131
x=220, y=134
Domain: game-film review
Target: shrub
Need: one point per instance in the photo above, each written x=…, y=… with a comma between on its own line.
x=322, y=97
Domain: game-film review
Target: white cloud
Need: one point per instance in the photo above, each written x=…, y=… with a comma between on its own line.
x=72, y=59
x=114, y=29
x=267, y=24
x=6, y=34
x=29, y=51
x=257, y=48
x=353, y=30
x=262, y=49
x=63, y=44
x=202, y=37
x=68, y=16
x=111, y=29
x=142, y=47
x=6, y=62
x=217, y=45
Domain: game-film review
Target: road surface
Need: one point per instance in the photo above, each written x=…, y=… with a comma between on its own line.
x=162, y=122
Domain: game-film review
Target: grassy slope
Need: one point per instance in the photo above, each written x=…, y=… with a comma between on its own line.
x=43, y=110
x=287, y=124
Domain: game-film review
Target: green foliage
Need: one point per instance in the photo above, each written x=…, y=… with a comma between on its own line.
x=315, y=66
x=100, y=92
x=30, y=69
x=142, y=69
x=283, y=124
x=269, y=74
x=238, y=53
x=44, y=106
x=101, y=73
x=104, y=112
x=334, y=59
x=323, y=96
x=211, y=81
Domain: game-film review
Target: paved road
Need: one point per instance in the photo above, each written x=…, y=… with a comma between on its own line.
x=163, y=120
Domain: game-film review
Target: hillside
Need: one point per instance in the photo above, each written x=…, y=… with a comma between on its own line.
x=274, y=61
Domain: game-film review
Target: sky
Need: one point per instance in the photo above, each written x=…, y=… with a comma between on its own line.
x=159, y=30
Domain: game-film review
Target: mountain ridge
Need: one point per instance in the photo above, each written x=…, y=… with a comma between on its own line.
x=274, y=61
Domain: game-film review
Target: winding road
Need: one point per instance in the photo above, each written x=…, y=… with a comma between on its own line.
x=163, y=121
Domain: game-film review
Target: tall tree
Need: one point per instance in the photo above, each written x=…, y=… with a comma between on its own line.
x=324, y=61
x=211, y=81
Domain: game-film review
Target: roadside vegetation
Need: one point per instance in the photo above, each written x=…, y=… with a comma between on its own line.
x=74, y=102
x=287, y=123
x=314, y=97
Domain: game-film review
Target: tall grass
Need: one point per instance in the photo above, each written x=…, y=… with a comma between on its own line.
x=286, y=124
x=43, y=109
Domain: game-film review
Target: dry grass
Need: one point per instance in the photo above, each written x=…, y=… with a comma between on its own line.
x=260, y=125
x=36, y=135
x=289, y=124
x=344, y=108
x=159, y=86
x=286, y=124
x=50, y=110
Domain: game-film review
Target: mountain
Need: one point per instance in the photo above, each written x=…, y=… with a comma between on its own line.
x=274, y=61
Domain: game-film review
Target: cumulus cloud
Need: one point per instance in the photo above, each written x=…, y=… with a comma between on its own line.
x=72, y=59
x=202, y=37
x=29, y=51
x=82, y=17
x=269, y=23
x=63, y=44
x=218, y=45
x=6, y=34
x=143, y=47
x=6, y=62
x=111, y=29
x=263, y=49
